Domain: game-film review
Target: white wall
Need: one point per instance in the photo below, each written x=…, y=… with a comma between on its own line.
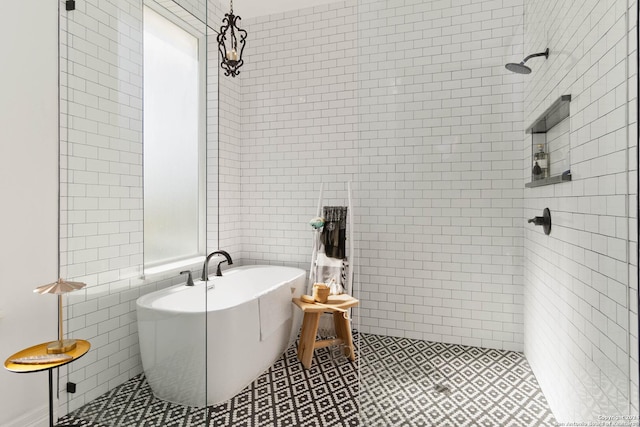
x=580, y=337
x=254, y=8
x=228, y=171
x=298, y=127
x=29, y=194
x=410, y=100
x=279, y=183
x=102, y=187
x=440, y=126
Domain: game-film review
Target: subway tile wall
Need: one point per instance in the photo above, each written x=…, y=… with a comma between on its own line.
x=580, y=282
x=101, y=189
x=441, y=158
x=410, y=100
x=227, y=217
x=298, y=127
x=101, y=185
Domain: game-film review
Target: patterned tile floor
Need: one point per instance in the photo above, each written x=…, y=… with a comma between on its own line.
x=402, y=382
x=413, y=383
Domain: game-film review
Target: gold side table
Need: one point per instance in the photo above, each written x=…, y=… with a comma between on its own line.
x=82, y=347
x=312, y=312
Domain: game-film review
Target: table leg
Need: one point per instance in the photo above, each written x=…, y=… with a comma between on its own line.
x=50, y=397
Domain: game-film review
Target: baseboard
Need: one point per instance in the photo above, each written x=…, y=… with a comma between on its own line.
x=38, y=417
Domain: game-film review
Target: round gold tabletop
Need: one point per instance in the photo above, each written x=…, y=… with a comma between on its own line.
x=82, y=347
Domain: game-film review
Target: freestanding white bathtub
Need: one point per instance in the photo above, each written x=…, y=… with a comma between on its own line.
x=226, y=317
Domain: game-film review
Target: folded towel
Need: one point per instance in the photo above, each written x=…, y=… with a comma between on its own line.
x=329, y=271
x=275, y=309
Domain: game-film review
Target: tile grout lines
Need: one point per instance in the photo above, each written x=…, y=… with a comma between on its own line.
x=393, y=382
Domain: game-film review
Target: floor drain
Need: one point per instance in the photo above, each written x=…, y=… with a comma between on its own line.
x=442, y=389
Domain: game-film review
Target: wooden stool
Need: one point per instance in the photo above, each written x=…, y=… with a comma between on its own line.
x=310, y=322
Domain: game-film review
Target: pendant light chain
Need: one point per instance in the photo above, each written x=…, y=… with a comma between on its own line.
x=234, y=42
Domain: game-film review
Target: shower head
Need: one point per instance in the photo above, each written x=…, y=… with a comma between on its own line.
x=523, y=69
x=518, y=68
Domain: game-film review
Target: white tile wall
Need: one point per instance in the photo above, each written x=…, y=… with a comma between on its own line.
x=411, y=101
x=101, y=186
x=298, y=127
x=214, y=112
x=632, y=202
x=229, y=167
x=580, y=292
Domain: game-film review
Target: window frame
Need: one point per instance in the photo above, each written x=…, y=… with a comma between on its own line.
x=179, y=262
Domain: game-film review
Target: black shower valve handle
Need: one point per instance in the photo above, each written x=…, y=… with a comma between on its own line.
x=539, y=220
x=544, y=221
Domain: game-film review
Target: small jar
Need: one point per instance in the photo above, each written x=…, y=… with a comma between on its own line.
x=320, y=292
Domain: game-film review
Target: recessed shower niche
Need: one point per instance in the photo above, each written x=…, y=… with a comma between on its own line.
x=550, y=145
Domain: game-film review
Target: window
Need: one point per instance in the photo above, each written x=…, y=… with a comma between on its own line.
x=174, y=146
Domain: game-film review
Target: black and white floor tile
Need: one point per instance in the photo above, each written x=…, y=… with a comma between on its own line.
x=406, y=382
x=402, y=382
x=285, y=395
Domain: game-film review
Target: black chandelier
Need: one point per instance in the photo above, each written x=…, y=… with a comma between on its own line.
x=231, y=41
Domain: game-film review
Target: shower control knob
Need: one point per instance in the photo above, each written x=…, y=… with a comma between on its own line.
x=544, y=221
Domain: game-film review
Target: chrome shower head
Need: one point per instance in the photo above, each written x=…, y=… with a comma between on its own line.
x=523, y=69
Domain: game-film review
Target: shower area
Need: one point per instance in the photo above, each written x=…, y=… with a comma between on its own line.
x=411, y=103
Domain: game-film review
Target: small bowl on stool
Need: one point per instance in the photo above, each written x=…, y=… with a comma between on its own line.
x=320, y=292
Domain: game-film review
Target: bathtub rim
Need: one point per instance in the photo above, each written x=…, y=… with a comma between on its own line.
x=143, y=302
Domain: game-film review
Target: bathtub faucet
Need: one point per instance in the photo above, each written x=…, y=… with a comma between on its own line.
x=205, y=268
x=189, y=279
